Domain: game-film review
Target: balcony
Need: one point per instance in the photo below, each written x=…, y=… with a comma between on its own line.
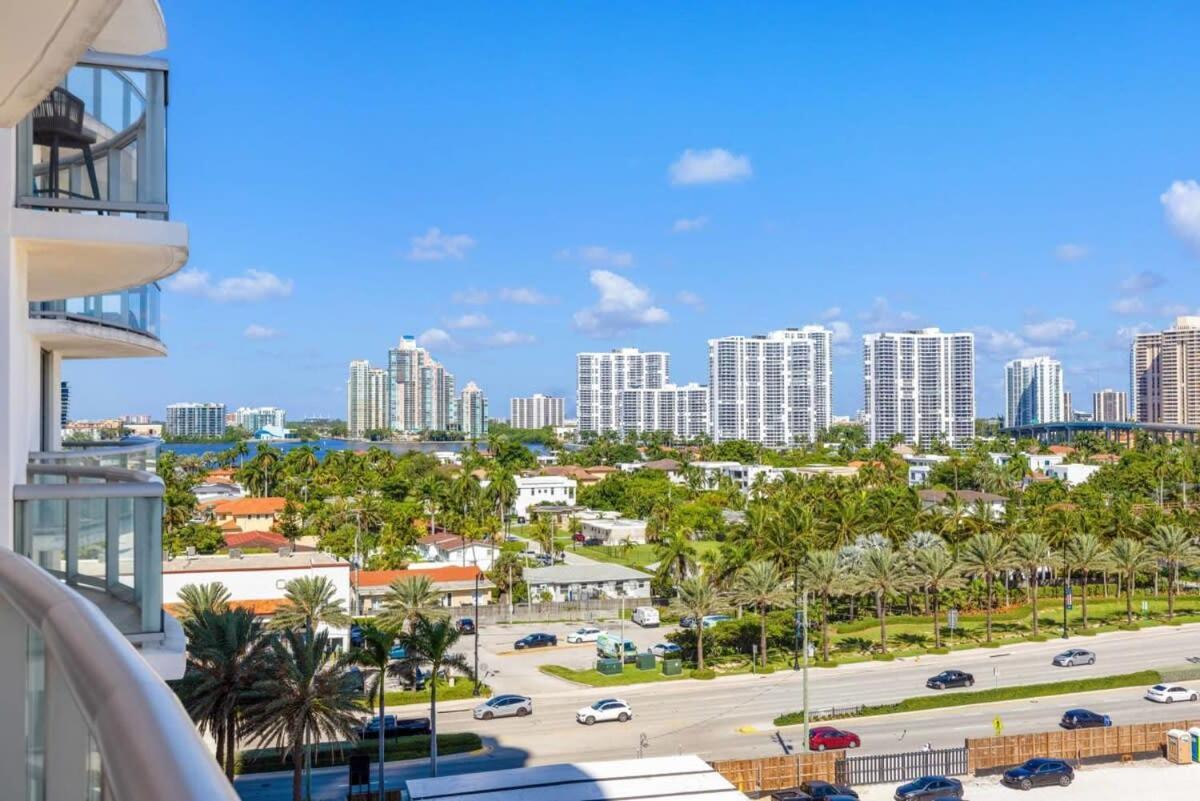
x=130, y=453
x=124, y=323
x=94, y=152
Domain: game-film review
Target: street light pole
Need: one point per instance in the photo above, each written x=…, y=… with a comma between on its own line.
x=804, y=677
x=475, y=692
x=1066, y=598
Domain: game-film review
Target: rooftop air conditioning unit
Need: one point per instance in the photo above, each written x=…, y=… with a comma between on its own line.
x=285, y=551
x=235, y=553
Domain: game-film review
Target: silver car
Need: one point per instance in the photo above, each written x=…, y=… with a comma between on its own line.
x=504, y=706
x=1073, y=657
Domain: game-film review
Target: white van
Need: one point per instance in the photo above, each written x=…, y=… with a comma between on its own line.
x=646, y=616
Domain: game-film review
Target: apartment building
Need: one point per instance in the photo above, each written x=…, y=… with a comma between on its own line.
x=602, y=379
x=1033, y=392
x=254, y=418
x=537, y=411
x=366, y=399
x=919, y=385
x=681, y=411
x=1110, y=406
x=473, y=412
x=196, y=420
x=775, y=389
x=87, y=233
x=420, y=390
x=1165, y=374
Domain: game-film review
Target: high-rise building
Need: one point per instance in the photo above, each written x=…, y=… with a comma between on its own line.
x=602, y=378
x=1110, y=406
x=1068, y=408
x=1165, y=374
x=366, y=399
x=420, y=390
x=921, y=385
x=196, y=420
x=537, y=411
x=774, y=389
x=254, y=418
x=1033, y=392
x=64, y=402
x=473, y=412
x=679, y=410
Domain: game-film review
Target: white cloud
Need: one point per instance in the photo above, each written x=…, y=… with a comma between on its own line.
x=437, y=338
x=1142, y=282
x=1049, y=331
x=524, y=296
x=1000, y=343
x=253, y=285
x=1176, y=310
x=881, y=316
x=1069, y=252
x=622, y=306
x=1181, y=204
x=471, y=297
x=689, y=298
x=832, y=313
x=1124, y=335
x=686, y=225
x=1129, y=305
x=433, y=245
x=841, y=331
x=508, y=339
x=709, y=167
x=598, y=256
x=469, y=321
x=256, y=331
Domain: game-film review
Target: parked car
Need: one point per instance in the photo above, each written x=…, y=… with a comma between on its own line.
x=950, y=678
x=529, y=553
x=544, y=559
x=823, y=738
x=504, y=706
x=686, y=622
x=825, y=790
x=411, y=676
x=610, y=647
x=1170, y=693
x=605, y=709
x=356, y=679
x=790, y=795
x=536, y=640
x=646, y=616
x=1039, y=772
x=398, y=652
x=585, y=634
x=356, y=636
x=666, y=650
x=709, y=621
x=1074, y=656
x=929, y=788
x=512, y=538
x=465, y=625
x=393, y=727
x=1084, y=719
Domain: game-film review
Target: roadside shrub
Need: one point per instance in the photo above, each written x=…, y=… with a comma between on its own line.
x=1129, y=627
x=1037, y=638
x=992, y=644
x=705, y=674
x=823, y=664
x=939, y=651
x=1084, y=632
x=766, y=671
x=881, y=657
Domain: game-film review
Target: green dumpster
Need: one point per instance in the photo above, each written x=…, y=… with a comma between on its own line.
x=609, y=667
x=672, y=667
x=645, y=661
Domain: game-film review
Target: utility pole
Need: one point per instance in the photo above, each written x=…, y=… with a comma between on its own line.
x=510, y=594
x=475, y=692
x=1066, y=601
x=804, y=678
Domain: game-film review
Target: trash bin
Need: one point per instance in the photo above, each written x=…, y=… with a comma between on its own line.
x=1195, y=733
x=672, y=667
x=645, y=661
x=609, y=667
x=1179, y=747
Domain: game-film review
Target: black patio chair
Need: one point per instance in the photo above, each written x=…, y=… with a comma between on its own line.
x=58, y=123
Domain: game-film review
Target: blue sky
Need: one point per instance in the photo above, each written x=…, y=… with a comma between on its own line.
x=518, y=182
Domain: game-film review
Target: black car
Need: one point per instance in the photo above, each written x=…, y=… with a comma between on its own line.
x=790, y=795
x=394, y=727
x=825, y=790
x=928, y=788
x=465, y=625
x=950, y=678
x=537, y=640
x=1084, y=719
x=1039, y=772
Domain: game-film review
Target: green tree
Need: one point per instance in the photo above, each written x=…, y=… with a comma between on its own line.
x=375, y=654
x=883, y=572
x=196, y=599
x=676, y=555
x=1031, y=552
x=1085, y=553
x=760, y=585
x=698, y=598
x=937, y=570
x=986, y=556
x=1130, y=558
x=1175, y=546
x=308, y=601
x=823, y=573
x=431, y=642
x=407, y=600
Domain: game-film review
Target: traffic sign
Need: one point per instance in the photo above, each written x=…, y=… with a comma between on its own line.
x=1070, y=599
x=952, y=618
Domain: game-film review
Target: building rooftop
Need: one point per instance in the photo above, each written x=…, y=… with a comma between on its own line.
x=258, y=561
x=567, y=574
x=438, y=575
x=250, y=506
x=966, y=496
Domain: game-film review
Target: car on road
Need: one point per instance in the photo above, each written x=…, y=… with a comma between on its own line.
x=465, y=625
x=666, y=650
x=1170, y=693
x=585, y=634
x=950, y=678
x=686, y=622
x=1040, y=772
x=1084, y=719
x=823, y=738
x=1074, y=656
x=605, y=709
x=711, y=620
x=825, y=790
x=538, y=639
x=504, y=706
x=929, y=788
x=393, y=727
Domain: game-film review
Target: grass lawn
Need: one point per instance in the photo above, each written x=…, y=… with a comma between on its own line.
x=462, y=689
x=262, y=760
x=636, y=556
x=592, y=678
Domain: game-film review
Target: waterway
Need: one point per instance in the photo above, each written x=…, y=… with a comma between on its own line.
x=325, y=446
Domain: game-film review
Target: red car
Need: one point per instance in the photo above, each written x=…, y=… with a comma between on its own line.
x=825, y=737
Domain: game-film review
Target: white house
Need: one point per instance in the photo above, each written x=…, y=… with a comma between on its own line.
x=970, y=499
x=921, y=465
x=614, y=530
x=1072, y=474
x=451, y=549
x=587, y=581
x=1041, y=462
x=532, y=490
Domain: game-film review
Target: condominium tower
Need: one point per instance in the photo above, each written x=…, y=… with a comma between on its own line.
x=538, y=411
x=473, y=412
x=679, y=410
x=1165, y=374
x=1110, y=406
x=919, y=385
x=602, y=378
x=420, y=390
x=196, y=420
x=774, y=389
x=254, y=418
x=1033, y=392
x=366, y=399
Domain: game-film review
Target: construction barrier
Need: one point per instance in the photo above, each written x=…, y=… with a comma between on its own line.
x=780, y=772
x=990, y=753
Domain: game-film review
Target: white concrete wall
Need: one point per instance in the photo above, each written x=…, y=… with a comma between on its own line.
x=542, y=489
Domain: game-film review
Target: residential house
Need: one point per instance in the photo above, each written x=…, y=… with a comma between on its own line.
x=921, y=465
x=447, y=548
x=533, y=490
x=569, y=582
x=249, y=514
x=1073, y=474
x=970, y=499
x=455, y=584
x=614, y=531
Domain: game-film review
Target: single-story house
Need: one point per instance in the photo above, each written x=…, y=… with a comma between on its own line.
x=454, y=583
x=613, y=531
x=968, y=498
x=1073, y=474
x=451, y=549
x=580, y=582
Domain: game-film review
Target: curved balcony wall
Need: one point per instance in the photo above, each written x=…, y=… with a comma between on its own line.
x=131, y=453
x=134, y=310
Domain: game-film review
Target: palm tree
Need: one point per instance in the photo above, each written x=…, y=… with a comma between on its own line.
x=406, y=600
x=883, y=572
x=306, y=695
x=937, y=570
x=543, y=534
x=374, y=653
x=1130, y=558
x=1086, y=553
x=760, y=584
x=307, y=601
x=698, y=598
x=431, y=491
x=430, y=642
x=1175, y=546
x=226, y=655
x=987, y=556
x=676, y=555
x=823, y=573
x=1031, y=552
x=199, y=598
x=503, y=492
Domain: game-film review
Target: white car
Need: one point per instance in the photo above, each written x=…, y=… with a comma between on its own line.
x=1170, y=693
x=585, y=634
x=605, y=709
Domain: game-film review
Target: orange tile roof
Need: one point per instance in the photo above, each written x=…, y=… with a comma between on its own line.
x=382, y=578
x=259, y=606
x=255, y=539
x=250, y=506
x=1061, y=449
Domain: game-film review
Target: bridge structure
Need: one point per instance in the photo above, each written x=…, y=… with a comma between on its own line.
x=1124, y=433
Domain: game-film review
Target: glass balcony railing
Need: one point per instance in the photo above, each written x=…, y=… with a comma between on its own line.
x=97, y=143
x=99, y=529
x=130, y=453
x=135, y=310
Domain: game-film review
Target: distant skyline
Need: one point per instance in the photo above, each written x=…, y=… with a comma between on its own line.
x=514, y=185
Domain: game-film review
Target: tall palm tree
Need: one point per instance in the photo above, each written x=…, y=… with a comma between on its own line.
x=761, y=585
x=432, y=491
x=937, y=570
x=883, y=572
x=308, y=601
x=986, y=556
x=1130, y=558
x=1031, y=552
x=824, y=573
x=698, y=598
x=503, y=492
x=676, y=555
x=1175, y=546
x=543, y=533
x=430, y=642
x=1085, y=553
x=375, y=654
x=406, y=601
x=846, y=517
x=199, y=598
x=226, y=655
x=305, y=696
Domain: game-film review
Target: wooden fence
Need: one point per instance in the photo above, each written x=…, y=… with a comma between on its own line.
x=777, y=773
x=989, y=753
